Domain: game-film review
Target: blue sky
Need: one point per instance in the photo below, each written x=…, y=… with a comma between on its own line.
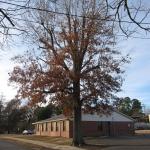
x=137, y=75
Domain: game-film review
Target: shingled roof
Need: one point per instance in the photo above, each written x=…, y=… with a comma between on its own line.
x=53, y=118
x=63, y=117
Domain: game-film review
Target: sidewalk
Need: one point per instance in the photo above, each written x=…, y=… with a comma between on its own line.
x=43, y=144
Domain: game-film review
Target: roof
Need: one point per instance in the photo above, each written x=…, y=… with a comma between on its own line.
x=63, y=117
x=124, y=115
x=54, y=118
x=113, y=116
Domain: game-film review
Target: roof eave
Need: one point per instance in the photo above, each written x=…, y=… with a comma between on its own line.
x=39, y=122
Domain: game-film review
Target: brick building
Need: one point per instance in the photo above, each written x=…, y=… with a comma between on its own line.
x=114, y=124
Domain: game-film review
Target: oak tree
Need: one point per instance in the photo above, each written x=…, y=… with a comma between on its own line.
x=77, y=65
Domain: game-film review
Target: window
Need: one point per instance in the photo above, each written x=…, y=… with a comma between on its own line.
x=42, y=127
x=46, y=126
x=37, y=127
x=64, y=125
x=56, y=126
x=52, y=126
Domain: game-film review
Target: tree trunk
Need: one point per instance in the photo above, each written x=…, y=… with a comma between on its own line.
x=77, y=128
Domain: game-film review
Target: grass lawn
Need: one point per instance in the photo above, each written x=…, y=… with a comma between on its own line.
x=47, y=139
x=59, y=141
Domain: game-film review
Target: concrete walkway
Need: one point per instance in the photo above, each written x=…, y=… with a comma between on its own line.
x=43, y=144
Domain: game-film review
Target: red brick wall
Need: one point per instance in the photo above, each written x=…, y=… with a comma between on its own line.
x=89, y=128
x=122, y=128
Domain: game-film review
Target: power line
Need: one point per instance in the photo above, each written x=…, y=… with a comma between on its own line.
x=62, y=13
x=33, y=8
x=119, y=35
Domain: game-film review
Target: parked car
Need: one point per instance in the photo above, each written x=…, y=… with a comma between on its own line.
x=27, y=132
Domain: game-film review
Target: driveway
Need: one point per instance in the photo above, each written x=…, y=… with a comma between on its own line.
x=16, y=145
x=120, y=141
x=137, y=142
x=5, y=145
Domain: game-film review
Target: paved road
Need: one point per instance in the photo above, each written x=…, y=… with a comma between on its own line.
x=127, y=148
x=5, y=145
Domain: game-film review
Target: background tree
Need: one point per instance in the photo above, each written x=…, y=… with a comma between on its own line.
x=12, y=114
x=46, y=112
x=136, y=106
x=2, y=99
x=77, y=66
x=128, y=106
x=124, y=105
x=24, y=120
x=16, y=118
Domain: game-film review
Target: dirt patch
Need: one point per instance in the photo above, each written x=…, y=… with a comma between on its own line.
x=42, y=139
x=47, y=139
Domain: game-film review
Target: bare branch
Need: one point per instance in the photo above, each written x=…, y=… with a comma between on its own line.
x=7, y=17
